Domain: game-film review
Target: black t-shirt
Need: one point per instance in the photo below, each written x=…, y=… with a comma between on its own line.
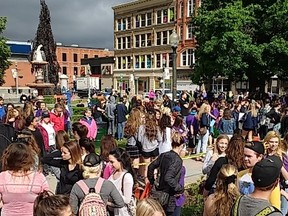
x=39, y=139
x=184, y=110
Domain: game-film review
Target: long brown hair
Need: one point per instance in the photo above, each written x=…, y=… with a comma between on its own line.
x=235, y=151
x=151, y=127
x=61, y=138
x=107, y=144
x=17, y=157
x=28, y=109
x=133, y=122
x=20, y=118
x=48, y=204
x=226, y=190
x=74, y=150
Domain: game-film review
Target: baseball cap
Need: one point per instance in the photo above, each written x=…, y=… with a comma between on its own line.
x=256, y=146
x=92, y=160
x=266, y=171
x=45, y=114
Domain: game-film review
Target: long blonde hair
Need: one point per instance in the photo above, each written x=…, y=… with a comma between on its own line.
x=270, y=135
x=226, y=190
x=148, y=207
x=203, y=109
x=253, y=110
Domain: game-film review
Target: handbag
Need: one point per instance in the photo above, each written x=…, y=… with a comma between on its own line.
x=160, y=196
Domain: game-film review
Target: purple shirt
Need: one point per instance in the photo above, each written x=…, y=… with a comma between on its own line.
x=181, y=199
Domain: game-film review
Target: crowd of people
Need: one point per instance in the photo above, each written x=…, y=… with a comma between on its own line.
x=241, y=141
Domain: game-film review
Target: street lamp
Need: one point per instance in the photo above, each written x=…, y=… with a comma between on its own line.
x=174, y=40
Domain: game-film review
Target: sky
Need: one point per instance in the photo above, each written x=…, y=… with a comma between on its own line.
x=83, y=22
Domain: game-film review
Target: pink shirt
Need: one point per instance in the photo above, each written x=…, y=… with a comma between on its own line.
x=19, y=193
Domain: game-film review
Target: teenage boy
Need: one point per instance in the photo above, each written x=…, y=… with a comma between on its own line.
x=265, y=176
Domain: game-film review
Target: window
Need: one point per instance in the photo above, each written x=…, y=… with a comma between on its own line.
x=75, y=57
x=64, y=57
x=119, y=43
x=124, y=42
x=159, y=17
x=149, y=19
x=143, y=40
x=137, y=40
x=165, y=38
x=129, y=23
x=85, y=55
x=171, y=15
x=129, y=62
x=149, y=37
x=170, y=60
x=137, y=61
x=158, y=35
x=143, y=20
x=158, y=60
x=164, y=59
x=187, y=57
x=76, y=71
x=190, y=10
x=148, y=62
x=165, y=16
x=96, y=56
x=64, y=70
x=123, y=24
x=119, y=62
x=137, y=21
x=128, y=42
x=189, y=31
x=142, y=61
x=123, y=62
x=119, y=24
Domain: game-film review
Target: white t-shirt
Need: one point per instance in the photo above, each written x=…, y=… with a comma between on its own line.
x=51, y=133
x=128, y=191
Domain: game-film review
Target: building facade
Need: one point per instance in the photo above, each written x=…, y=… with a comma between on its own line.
x=69, y=59
x=141, y=43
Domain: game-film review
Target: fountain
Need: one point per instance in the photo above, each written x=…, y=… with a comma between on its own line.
x=39, y=65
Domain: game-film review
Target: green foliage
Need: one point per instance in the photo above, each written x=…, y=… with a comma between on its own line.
x=49, y=99
x=241, y=39
x=194, y=204
x=4, y=51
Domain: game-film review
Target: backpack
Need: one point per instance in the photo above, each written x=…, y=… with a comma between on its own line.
x=264, y=212
x=92, y=204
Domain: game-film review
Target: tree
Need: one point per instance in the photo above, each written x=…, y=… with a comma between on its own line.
x=4, y=51
x=241, y=40
x=44, y=36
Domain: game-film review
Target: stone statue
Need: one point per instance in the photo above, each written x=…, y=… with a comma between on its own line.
x=39, y=55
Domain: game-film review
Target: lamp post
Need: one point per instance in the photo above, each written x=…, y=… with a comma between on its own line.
x=174, y=40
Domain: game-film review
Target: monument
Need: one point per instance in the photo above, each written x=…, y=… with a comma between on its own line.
x=39, y=65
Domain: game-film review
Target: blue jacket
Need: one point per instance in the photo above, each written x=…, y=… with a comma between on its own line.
x=227, y=126
x=2, y=113
x=121, y=110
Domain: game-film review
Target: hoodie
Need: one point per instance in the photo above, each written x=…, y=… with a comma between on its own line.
x=110, y=108
x=57, y=121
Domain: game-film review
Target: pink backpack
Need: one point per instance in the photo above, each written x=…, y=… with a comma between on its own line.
x=92, y=204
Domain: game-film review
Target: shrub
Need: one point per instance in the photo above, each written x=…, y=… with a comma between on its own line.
x=194, y=204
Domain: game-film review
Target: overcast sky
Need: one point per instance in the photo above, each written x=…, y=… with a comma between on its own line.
x=82, y=22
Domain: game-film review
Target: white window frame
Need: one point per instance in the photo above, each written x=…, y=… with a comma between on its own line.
x=190, y=8
x=188, y=27
x=190, y=58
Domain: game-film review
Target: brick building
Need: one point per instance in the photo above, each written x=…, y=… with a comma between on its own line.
x=69, y=58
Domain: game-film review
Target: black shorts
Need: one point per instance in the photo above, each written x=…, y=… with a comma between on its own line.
x=154, y=153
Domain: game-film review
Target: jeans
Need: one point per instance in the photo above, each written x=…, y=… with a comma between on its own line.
x=177, y=211
x=120, y=130
x=284, y=204
x=202, y=143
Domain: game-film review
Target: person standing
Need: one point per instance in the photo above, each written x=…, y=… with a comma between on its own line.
x=110, y=112
x=121, y=111
x=2, y=110
x=265, y=176
x=57, y=117
x=184, y=105
x=90, y=123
